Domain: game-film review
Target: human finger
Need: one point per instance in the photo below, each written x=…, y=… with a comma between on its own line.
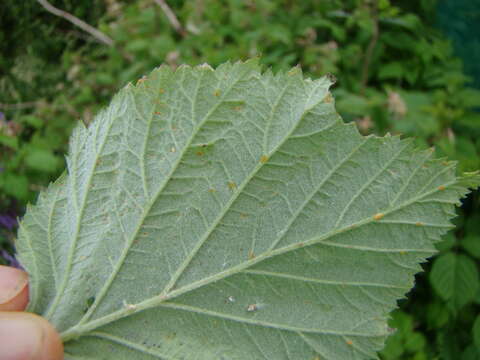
x=13, y=289
x=26, y=336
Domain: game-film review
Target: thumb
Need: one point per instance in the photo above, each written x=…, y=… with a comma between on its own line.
x=25, y=336
x=13, y=289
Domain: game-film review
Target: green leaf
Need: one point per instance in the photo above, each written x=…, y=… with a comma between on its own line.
x=33, y=121
x=420, y=356
x=353, y=104
x=394, y=347
x=437, y=315
x=14, y=184
x=415, y=342
x=9, y=141
x=471, y=353
x=455, y=278
x=41, y=159
x=231, y=214
x=393, y=70
x=447, y=243
x=472, y=245
x=476, y=332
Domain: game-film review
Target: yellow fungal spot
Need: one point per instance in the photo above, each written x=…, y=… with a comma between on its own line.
x=328, y=98
x=161, y=91
x=418, y=223
x=216, y=93
x=378, y=216
x=349, y=342
x=237, y=108
x=173, y=149
x=158, y=113
x=264, y=159
x=445, y=163
x=251, y=255
x=232, y=185
x=243, y=216
x=212, y=190
x=200, y=153
x=402, y=252
x=441, y=188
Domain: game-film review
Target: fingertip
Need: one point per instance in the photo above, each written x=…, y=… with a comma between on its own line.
x=53, y=345
x=13, y=289
x=25, y=336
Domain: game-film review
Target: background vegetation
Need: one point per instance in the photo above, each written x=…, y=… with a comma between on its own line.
x=397, y=72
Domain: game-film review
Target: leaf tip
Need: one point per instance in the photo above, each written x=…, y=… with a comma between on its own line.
x=205, y=66
x=471, y=179
x=332, y=78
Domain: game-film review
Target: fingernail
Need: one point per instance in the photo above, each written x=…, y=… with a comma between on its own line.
x=12, y=281
x=21, y=337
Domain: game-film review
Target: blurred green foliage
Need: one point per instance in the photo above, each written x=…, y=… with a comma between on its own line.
x=395, y=73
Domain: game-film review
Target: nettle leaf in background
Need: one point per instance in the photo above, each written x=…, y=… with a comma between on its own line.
x=230, y=214
x=455, y=278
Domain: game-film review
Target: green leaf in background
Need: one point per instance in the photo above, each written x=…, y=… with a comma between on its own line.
x=448, y=242
x=405, y=340
x=393, y=70
x=41, y=159
x=455, y=278
x=476, y=332
x=14, y=184
x=9, y=141
x=437, y=315
x=471, y=353
x=231, y=214
x=472, y=245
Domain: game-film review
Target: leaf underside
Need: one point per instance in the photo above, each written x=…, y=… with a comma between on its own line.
x=231, y=214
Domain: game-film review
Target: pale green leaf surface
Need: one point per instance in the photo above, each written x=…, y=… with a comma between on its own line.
x=231, y=214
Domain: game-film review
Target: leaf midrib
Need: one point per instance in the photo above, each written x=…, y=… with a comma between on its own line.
x=239, y=191
x=82, y=329
x=187, y=261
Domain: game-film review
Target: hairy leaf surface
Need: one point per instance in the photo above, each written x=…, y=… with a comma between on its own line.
x=231, y=214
